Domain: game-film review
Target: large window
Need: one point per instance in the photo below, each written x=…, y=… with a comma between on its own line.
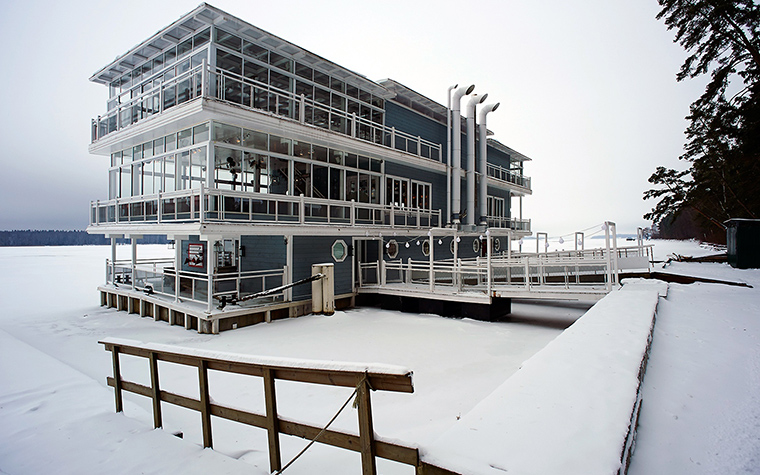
x=496, y=207
x=154, y=166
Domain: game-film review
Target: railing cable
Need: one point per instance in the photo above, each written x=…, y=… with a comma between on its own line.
x=324, y=429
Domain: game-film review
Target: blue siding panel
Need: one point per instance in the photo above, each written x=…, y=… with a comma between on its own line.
x=309, y=250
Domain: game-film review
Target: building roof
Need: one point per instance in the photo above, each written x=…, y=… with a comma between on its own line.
x=415, y=100
x=205, y=15
x=515, y=155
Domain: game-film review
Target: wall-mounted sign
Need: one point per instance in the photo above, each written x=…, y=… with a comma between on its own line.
x=195, y=256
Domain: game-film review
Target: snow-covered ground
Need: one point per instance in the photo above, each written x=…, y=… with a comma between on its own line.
x=701, y=412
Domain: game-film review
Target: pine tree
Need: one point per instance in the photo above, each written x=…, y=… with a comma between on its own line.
x=722, y=179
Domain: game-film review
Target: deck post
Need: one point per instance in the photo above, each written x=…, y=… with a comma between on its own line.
x=205, y=402
x=316, y=290
x=615, y=256
x=113, y=260
x=608, y=259
x=209, y=276
x=273, y=423
x=301, y=209
x=117, y=379
x=431, y=271
x=155, y=390
x=366, y=431
x=133, y=243
x=489, y=272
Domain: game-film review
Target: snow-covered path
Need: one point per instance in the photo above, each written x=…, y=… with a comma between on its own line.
x=701, y=396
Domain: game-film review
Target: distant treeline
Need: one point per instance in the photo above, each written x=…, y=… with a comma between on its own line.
x=65, y=238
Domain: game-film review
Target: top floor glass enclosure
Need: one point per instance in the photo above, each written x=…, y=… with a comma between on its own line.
x=217, y=64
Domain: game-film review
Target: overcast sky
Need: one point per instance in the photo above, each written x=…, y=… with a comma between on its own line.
x=587, y=90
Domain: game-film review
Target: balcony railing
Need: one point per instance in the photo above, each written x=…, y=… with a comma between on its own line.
x=200, y=81
x=507, y=176
x=509, y=223
x=162, y=278
x=208, y=205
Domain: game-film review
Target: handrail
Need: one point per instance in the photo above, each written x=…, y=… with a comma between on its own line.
x=364, y=378
x=211, y=205
x=503, y=174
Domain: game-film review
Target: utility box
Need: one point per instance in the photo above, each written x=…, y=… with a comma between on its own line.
x=743, y=243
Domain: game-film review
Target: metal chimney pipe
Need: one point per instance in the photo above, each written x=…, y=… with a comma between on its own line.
x=483, y=162
x=474, y=101
x=448, y=153
x=456, y=153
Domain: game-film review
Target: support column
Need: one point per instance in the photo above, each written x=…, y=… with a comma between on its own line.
x=431, y=272
x=133, y=242
x=113, y=261
x=212, y=258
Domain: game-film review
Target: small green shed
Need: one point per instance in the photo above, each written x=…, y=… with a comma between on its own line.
x=743, y=242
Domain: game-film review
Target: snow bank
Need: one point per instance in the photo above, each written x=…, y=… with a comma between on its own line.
x=569, y=408
x=57, y=420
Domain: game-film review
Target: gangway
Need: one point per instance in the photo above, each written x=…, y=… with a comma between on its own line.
x=579, y=274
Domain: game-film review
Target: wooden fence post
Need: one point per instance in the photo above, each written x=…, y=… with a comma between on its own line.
x=205, y=402
x=366, y=431
x=156, y=390
x=273, y=424
x=117, y=379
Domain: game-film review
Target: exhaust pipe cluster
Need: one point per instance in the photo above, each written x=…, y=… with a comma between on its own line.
x=455, y=156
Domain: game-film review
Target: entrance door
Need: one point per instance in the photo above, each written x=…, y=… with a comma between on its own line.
x=366, y=254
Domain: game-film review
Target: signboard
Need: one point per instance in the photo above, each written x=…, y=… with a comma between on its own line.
x=195, y=256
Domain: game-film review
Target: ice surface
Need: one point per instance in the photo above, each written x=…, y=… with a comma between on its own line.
x=700, y=414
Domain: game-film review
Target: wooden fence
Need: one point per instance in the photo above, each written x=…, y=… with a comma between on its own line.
x=363, y=381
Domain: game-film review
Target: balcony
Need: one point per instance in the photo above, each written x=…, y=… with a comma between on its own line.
x=507, y=176
x=201, y=82
x=522, y=225
x=211, y=205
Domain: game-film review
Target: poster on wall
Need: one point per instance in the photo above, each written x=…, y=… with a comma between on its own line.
x=195, y=256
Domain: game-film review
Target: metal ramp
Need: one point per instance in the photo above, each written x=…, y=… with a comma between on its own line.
x=581, y=274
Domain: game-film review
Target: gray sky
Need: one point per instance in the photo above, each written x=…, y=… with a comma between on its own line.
x=587, y=90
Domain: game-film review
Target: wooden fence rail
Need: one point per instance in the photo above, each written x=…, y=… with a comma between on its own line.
x=363, y=379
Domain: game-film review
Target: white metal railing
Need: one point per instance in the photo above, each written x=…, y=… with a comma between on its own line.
x=508, y=223
x=215, y=205
x=160, y=277
x=182, y=88
x=508, y=176
x=201, y=81
x=591, y=271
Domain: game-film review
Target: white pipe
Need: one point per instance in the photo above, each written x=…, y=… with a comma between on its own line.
x=456, y=153
x=483, y=162
x=474, y=101
x=448, y=153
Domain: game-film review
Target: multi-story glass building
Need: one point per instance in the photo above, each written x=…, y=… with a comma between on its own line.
x=259, y=158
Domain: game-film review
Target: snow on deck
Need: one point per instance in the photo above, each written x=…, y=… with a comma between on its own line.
x=568, y=409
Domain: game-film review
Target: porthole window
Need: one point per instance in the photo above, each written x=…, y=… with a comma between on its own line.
x=426, y=248
x=392, y=249
x=339, y=250
x=476, y=245
x=496, y=244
